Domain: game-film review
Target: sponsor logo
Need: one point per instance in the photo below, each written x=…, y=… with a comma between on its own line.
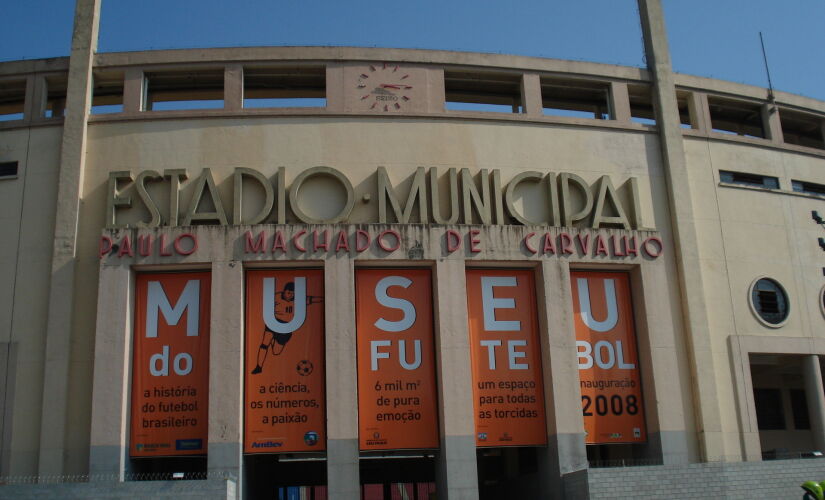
x=506, y=437
x=482, y=436
x=376, y=439
x=189, y=444
x=151, y=446
x=311, y=438
x=268, y=444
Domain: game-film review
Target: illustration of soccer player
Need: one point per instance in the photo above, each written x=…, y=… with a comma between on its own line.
x=284, y=310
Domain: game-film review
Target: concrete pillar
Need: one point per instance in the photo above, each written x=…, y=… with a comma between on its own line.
x=685, y=238
x=619, y=102
x=69, y=194
x=531, y=103
x=699, y=111
x=226, y=370
x=343, y=480
x=108, y=447
x=658, y=357
x=565, y=452
x=815, y=396
x=133, y=90
x=233, y=87
x=335, y=87
x=771, y=123
x=456, y=473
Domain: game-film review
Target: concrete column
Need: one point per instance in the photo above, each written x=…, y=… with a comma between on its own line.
x=566, y=452
x=771, y=123
x=619, y=102
x=69, y=194
x=34, y=107
x=233, y=87
x=815, y=395
x=335, y=87
x=436, y=96
x=658, y=359
x=133, y=90
x=456, y=475
x=531, y=94
x=108, y=447
x=699, y=112
x=685, y=237
x=226, y=370
x=343, y=480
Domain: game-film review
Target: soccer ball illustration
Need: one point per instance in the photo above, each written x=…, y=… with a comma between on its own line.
x=304, y=367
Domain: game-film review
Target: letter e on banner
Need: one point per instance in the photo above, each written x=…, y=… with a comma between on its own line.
x=170, y=371
x=508, y=394
x=396, y=359
x=612, y=403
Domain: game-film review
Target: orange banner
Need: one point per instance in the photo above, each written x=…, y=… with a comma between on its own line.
x=608, y=362
x=284, y=410
x=396, y=360
x=170, y=370
x=508, y=392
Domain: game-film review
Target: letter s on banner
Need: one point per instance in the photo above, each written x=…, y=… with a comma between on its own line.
x=397, y=390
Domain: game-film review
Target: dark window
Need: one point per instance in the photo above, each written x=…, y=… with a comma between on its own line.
x=769, y=411
x=808, y=187
x=578, y=98
x=799, y=406
x=482, y=91
x=8, y=169
x=770, y=301
x=802, y=129
x=734, y=117
x=176, y=90
x=284, y=86
x=755, y=180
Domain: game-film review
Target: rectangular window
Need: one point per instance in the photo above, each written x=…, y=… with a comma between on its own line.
x=770, y=414
x=285, y=87
x=485, y=91
x=799, y=406
x=8, y=170
x=107, y=93
x=55, y=96
x=179, y=90
x=641, y=104
x=808, y=188
x=729, y=116
x=575, y=98
x=12, y=99
x=745, y=179
x=802, y=129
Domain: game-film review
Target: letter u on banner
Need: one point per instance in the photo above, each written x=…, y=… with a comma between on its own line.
x=396, y=360
x=284, y=405
x=508, y=392
x=170, y=371
x=612, y=403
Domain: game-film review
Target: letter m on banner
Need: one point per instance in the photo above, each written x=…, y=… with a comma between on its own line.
x=158, y=302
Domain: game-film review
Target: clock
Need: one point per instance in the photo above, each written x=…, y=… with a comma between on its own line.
x=384, y=87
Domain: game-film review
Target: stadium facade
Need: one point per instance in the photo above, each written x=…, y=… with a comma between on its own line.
x=317, y=272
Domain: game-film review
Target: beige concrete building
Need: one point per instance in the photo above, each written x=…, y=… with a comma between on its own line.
x=114, y=165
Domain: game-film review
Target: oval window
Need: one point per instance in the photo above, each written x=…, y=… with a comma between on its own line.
x=769, y=301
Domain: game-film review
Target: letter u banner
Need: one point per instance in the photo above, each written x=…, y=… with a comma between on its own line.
x=608, y=361
x=284, y=408
x=170, y=370
x=508, y=391
x=396, y=360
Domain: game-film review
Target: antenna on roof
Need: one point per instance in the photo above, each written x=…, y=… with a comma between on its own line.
x=767, y=70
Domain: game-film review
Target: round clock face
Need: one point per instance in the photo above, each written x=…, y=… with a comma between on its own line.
x=384, y=87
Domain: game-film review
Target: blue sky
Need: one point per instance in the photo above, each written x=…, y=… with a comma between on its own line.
x=716, y=38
